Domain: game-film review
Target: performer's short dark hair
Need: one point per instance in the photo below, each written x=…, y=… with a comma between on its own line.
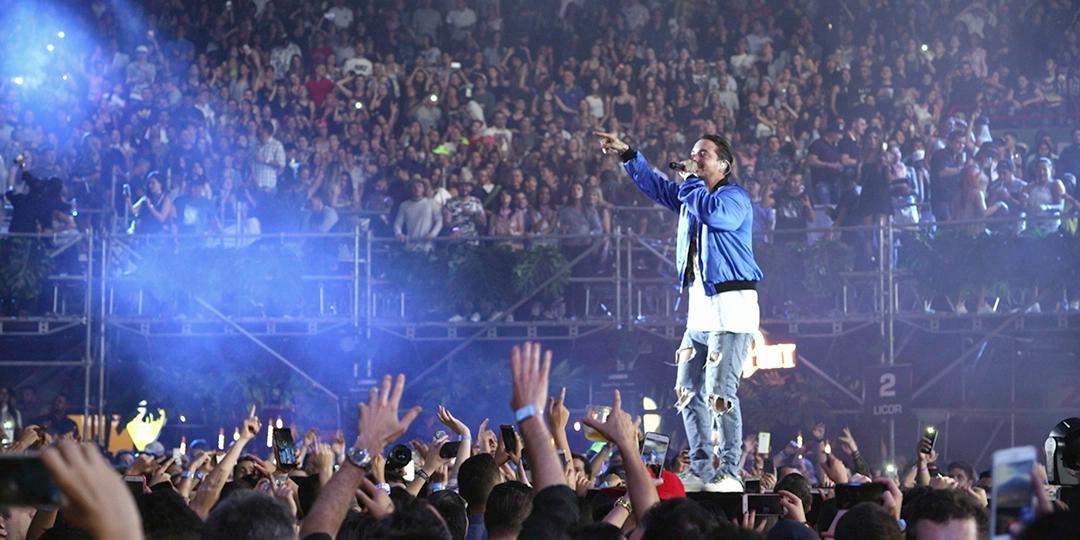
x=723, y=149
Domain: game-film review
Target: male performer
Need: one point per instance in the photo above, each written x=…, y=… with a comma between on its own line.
x=716, y=263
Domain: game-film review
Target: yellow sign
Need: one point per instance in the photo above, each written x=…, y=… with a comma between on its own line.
x=143, y=429
x=765, y=356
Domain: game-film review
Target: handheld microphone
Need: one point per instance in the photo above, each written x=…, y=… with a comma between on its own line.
x=677, y=166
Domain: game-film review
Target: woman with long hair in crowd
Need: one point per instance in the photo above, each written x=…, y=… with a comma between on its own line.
x=970, y=204
x=154, y=212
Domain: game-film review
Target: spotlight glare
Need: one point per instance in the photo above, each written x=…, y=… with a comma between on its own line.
x=61, y=34
x=18, y=81
x=50, y=47
x=577, y=426
x=64, y=76
x=183, y=419
x=925, y=47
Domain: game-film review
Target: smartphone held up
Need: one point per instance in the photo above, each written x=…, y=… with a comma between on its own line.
x=24, y=481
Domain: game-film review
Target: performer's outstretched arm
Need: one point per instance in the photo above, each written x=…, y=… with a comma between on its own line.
x=723, y=209
x=648, y=181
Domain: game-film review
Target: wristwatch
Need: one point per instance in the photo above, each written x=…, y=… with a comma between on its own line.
x=624, y=502
x=359, y=457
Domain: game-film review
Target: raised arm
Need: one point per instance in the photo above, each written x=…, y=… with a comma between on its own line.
x=723, y=209
x=378, y=426
x=648, y=181
x=619, y=429
x=530, y=377
x=210, y=489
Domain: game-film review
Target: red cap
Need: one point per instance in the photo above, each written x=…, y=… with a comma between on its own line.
x=672, y=488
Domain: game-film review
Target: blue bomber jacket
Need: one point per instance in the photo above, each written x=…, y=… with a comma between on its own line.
x=726, y=255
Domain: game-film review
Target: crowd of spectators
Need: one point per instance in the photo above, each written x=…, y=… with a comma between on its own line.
x=476, y=117
x=436, y=118
x=509, y=484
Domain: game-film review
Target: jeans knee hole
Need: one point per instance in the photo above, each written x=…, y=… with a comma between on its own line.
x=719, y=404
x=683, y=396
x=684, y=355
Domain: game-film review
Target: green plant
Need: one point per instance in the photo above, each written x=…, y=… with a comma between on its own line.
x=784, y=399
x=479, y=274
x=24, y=266
x=535, y=266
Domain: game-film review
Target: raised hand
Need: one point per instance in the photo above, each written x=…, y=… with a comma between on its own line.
x=96, y=497
x=892, y=499
x=286, y=494
x=749, y=443
x=455, y=425
x=558, y=414
x=378, y=468
x=430, y=453
x=337, y=444
x=610, y=143
x=375, y=501
x=161, y=473
x=142, y=465
x=530, y=376
x=479, y=442
x=266, y=468
x=835, y=469
x=792, y=506
x=322, y=458
x=198, y=462
x=379, y=423
x=923, y=452
x=619, y=427
x=847, y=441
x=749, y=522
x=250, y=427
x=311, y=436
x=486, y=442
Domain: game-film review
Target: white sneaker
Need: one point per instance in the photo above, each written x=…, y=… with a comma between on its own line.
x=725, y=484
x=691, y=482
x=985, y=308
x=1034, y=308
x=960, y=309
x=456, y=319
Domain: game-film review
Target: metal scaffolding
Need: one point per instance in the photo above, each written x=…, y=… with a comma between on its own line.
x=358, y=298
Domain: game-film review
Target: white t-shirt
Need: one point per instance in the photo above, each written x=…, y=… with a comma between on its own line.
x=342, y=16
x=461, y=18
x=729, y=311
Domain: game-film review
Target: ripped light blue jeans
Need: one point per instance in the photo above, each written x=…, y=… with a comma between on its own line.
x=706, y=387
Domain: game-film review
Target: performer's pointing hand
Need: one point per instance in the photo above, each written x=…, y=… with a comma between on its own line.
x=610, y=143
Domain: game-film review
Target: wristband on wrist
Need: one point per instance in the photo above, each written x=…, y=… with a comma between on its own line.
x=525, y=413
x=383, y=486
x=422, y=474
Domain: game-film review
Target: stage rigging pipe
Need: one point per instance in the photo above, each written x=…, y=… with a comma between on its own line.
x=243, y=331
